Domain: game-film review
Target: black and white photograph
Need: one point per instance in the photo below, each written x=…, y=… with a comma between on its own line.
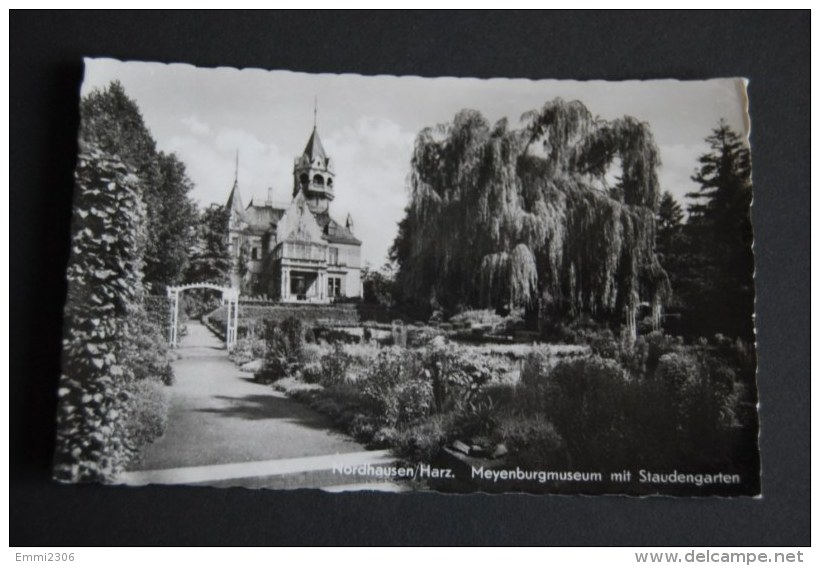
x=288, y=280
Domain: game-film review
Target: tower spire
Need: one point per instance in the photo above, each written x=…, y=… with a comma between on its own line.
x=315, y=109
x=236, y=169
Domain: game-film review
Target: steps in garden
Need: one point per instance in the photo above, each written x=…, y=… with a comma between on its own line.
x=290, y=473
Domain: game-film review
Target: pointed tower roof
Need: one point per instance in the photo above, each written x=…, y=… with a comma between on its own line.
x=314, y=148
x=234, y=204
x=235, y=199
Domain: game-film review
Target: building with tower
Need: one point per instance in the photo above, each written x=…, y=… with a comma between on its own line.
x=296, y=252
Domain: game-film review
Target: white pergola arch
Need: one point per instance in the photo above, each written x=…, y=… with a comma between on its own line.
x=230, y=297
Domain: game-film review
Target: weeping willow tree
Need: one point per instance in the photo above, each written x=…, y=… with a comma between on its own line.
x=557, y=216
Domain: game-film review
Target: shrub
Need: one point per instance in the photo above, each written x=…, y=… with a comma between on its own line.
x=681, y=415
x=422, y=441
x=657, y=345
x=248, y=349
x=421, y=337
x=532, y=440
x=381, y=382
x=580, y=330
x=485, y=317
x=291, y=339
x=639, y=358
x=334, y=367
x=362, y=356
x=284, y=349
x=455, y=376
x=394, y=388
x=415, y=401
x=312, y=372
x=586, y=400
x=146, y=351
x=158, y=311
x=604, y=344
x=312, y=353
x=703, y=393
x=147, y=413
x=479, y=418
x=535, y=369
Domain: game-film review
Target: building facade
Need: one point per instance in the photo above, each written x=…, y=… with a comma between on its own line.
x=296, y=252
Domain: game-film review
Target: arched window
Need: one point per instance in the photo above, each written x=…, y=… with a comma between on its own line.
x=330, y=183
x=303, y=179
x=318, y=180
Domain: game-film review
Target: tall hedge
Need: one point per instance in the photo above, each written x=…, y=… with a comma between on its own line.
x=101, y=401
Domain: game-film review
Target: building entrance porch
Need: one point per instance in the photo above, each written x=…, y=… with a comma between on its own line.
x=300, y=285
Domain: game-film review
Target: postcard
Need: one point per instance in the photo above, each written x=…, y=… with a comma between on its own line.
x=285, y=280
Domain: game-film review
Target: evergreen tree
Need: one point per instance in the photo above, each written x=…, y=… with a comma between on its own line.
x=669, y=223
x=719, y=285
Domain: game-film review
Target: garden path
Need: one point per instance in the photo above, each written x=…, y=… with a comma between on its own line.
x=225, y=429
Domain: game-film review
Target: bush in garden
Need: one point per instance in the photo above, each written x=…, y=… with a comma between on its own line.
x=535, y=368
x=148, y=412
x=604, y=344
x=580, y=330
x=421, y=337
x=702, y=393
x=532, y=440
x=284, y=349
x=657, y=345
x=382, y=380
x=586, y=401
x=158, y=311
x=292, y=338
x=683, y=413
x=455, y=376
x=639, y=358
x=394, y=388
x=415, y=401
x=248, y=349
x=362, y=356
x=312, y=372
x=422, y=441
x=312, y=353
x=146, y=351
x=478, y=419
x=334, y=366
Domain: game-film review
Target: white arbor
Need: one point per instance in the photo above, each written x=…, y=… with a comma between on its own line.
x=230, y=297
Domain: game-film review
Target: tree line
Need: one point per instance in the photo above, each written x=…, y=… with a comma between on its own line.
x=182, y=244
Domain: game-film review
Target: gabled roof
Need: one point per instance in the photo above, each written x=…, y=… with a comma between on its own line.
x=263, y=216
x=334, y=232
x=298, y=224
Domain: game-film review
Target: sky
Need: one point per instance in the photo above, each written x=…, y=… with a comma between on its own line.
x=368, y=125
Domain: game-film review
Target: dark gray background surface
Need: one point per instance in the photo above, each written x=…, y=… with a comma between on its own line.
x=771, y=49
